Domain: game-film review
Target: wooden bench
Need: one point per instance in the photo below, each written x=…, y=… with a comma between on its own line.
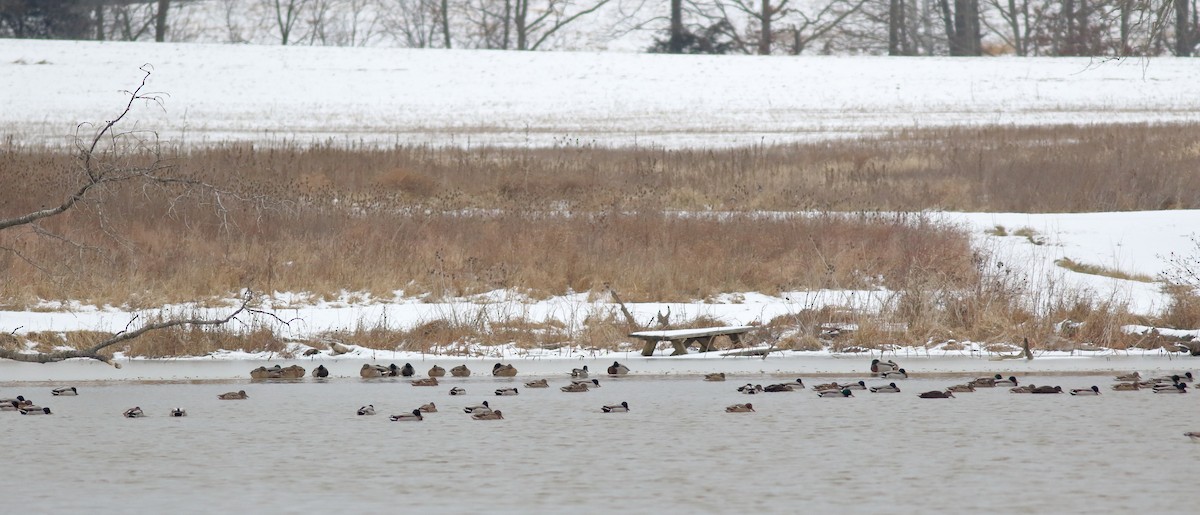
x=681, y=339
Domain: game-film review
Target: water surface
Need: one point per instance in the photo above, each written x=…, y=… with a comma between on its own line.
x=294, y=447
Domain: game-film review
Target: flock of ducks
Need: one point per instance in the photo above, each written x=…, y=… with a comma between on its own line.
x=580, y=382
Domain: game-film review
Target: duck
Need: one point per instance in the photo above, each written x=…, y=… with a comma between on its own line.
x=1095, y=390
x=134, y=412
x=1194, y=435
x=1176, y=388
x=458, y=391
x=428, y=381
x=460, y=371
x=64, y=391
x=1029, y=388
x=407, y=370
x=1011, y=381
x=798, y=385
x=488, y=415
x=368, y=371
x=19, y=398
x=1047, y=389
x=937, y=394
x=575, y=388
x=623, y=407
x=428, y=408
x=961, y=388
x=895, y=374
x=320, y=372
x=880, y=367
x=367, y=410
x=35, y=410
x=415, y=416
x=391, y=370
x=591, y=383
x=540, y=383
x=504, y=370
x=1127, y=387
x=14, y=405
x=985, y=382
x=478, y=408
x=751, y=389
x=580, y=373
x=715, y=377
x=437, y=371
x=178, y=412
x=618, y=369
x=861, y=385
x=783, y=387
x=1130, y=377
x=1185, y=377
x=507, y=391
x=292, y=372
x=889, y=388
x=845, y=392
x=827, y=386
x=238, y=395
x=263, y=372
x=740, y=408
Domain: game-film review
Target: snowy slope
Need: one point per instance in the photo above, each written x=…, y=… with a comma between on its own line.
x=464, y=97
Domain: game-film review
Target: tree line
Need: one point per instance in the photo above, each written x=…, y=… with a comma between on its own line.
x=764, y=27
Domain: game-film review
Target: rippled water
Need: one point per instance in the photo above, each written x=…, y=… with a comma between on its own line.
x=295, y=447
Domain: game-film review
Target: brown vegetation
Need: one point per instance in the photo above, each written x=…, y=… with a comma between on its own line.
x=658, y=225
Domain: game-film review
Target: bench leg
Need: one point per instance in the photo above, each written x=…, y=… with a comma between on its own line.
x=648, y=348
x=680, y=347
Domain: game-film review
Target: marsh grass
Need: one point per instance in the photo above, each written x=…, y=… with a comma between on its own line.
x=1085, y=268
x=658, y=225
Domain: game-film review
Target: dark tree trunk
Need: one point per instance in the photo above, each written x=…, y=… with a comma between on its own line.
x=966, y=27
x=948, y=20
x=99, y=22
x=764, y=40
x=160, y=21
x=896, y=25
x=675, y=46
x=1183, y=33
x=446, y=23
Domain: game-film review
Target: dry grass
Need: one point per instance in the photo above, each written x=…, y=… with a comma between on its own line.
x=1085, y=268
x=451, y=222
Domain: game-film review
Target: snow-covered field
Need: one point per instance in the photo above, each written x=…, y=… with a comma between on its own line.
x=215, y=93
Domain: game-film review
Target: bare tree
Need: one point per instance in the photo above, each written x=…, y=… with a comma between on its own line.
x=98, y=174
x=535, y=21
x=160, y=20
x=415, y=23
x=287, y=14
x=764, y=13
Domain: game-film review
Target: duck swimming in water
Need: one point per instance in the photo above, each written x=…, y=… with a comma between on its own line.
x=580, y=373
x=134, y=412
x=889, y=388
x=428, y=408
x=740, y=408
x=240, y=394
x=1095, y=390
x=623, y=407
x=35, y=410
x=836, y=394
x=478, y=408
x=507, y=391
x=178, y=412
x=415, y=416
x=65, y=391
x=488, y=415
x=540, y=383
x=367, y=410
x=428, y=381
x=458, y=391
x=715, y=377
x=936, y=394
x=575, y=388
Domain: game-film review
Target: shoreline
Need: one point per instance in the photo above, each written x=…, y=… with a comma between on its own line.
x=532, y=367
